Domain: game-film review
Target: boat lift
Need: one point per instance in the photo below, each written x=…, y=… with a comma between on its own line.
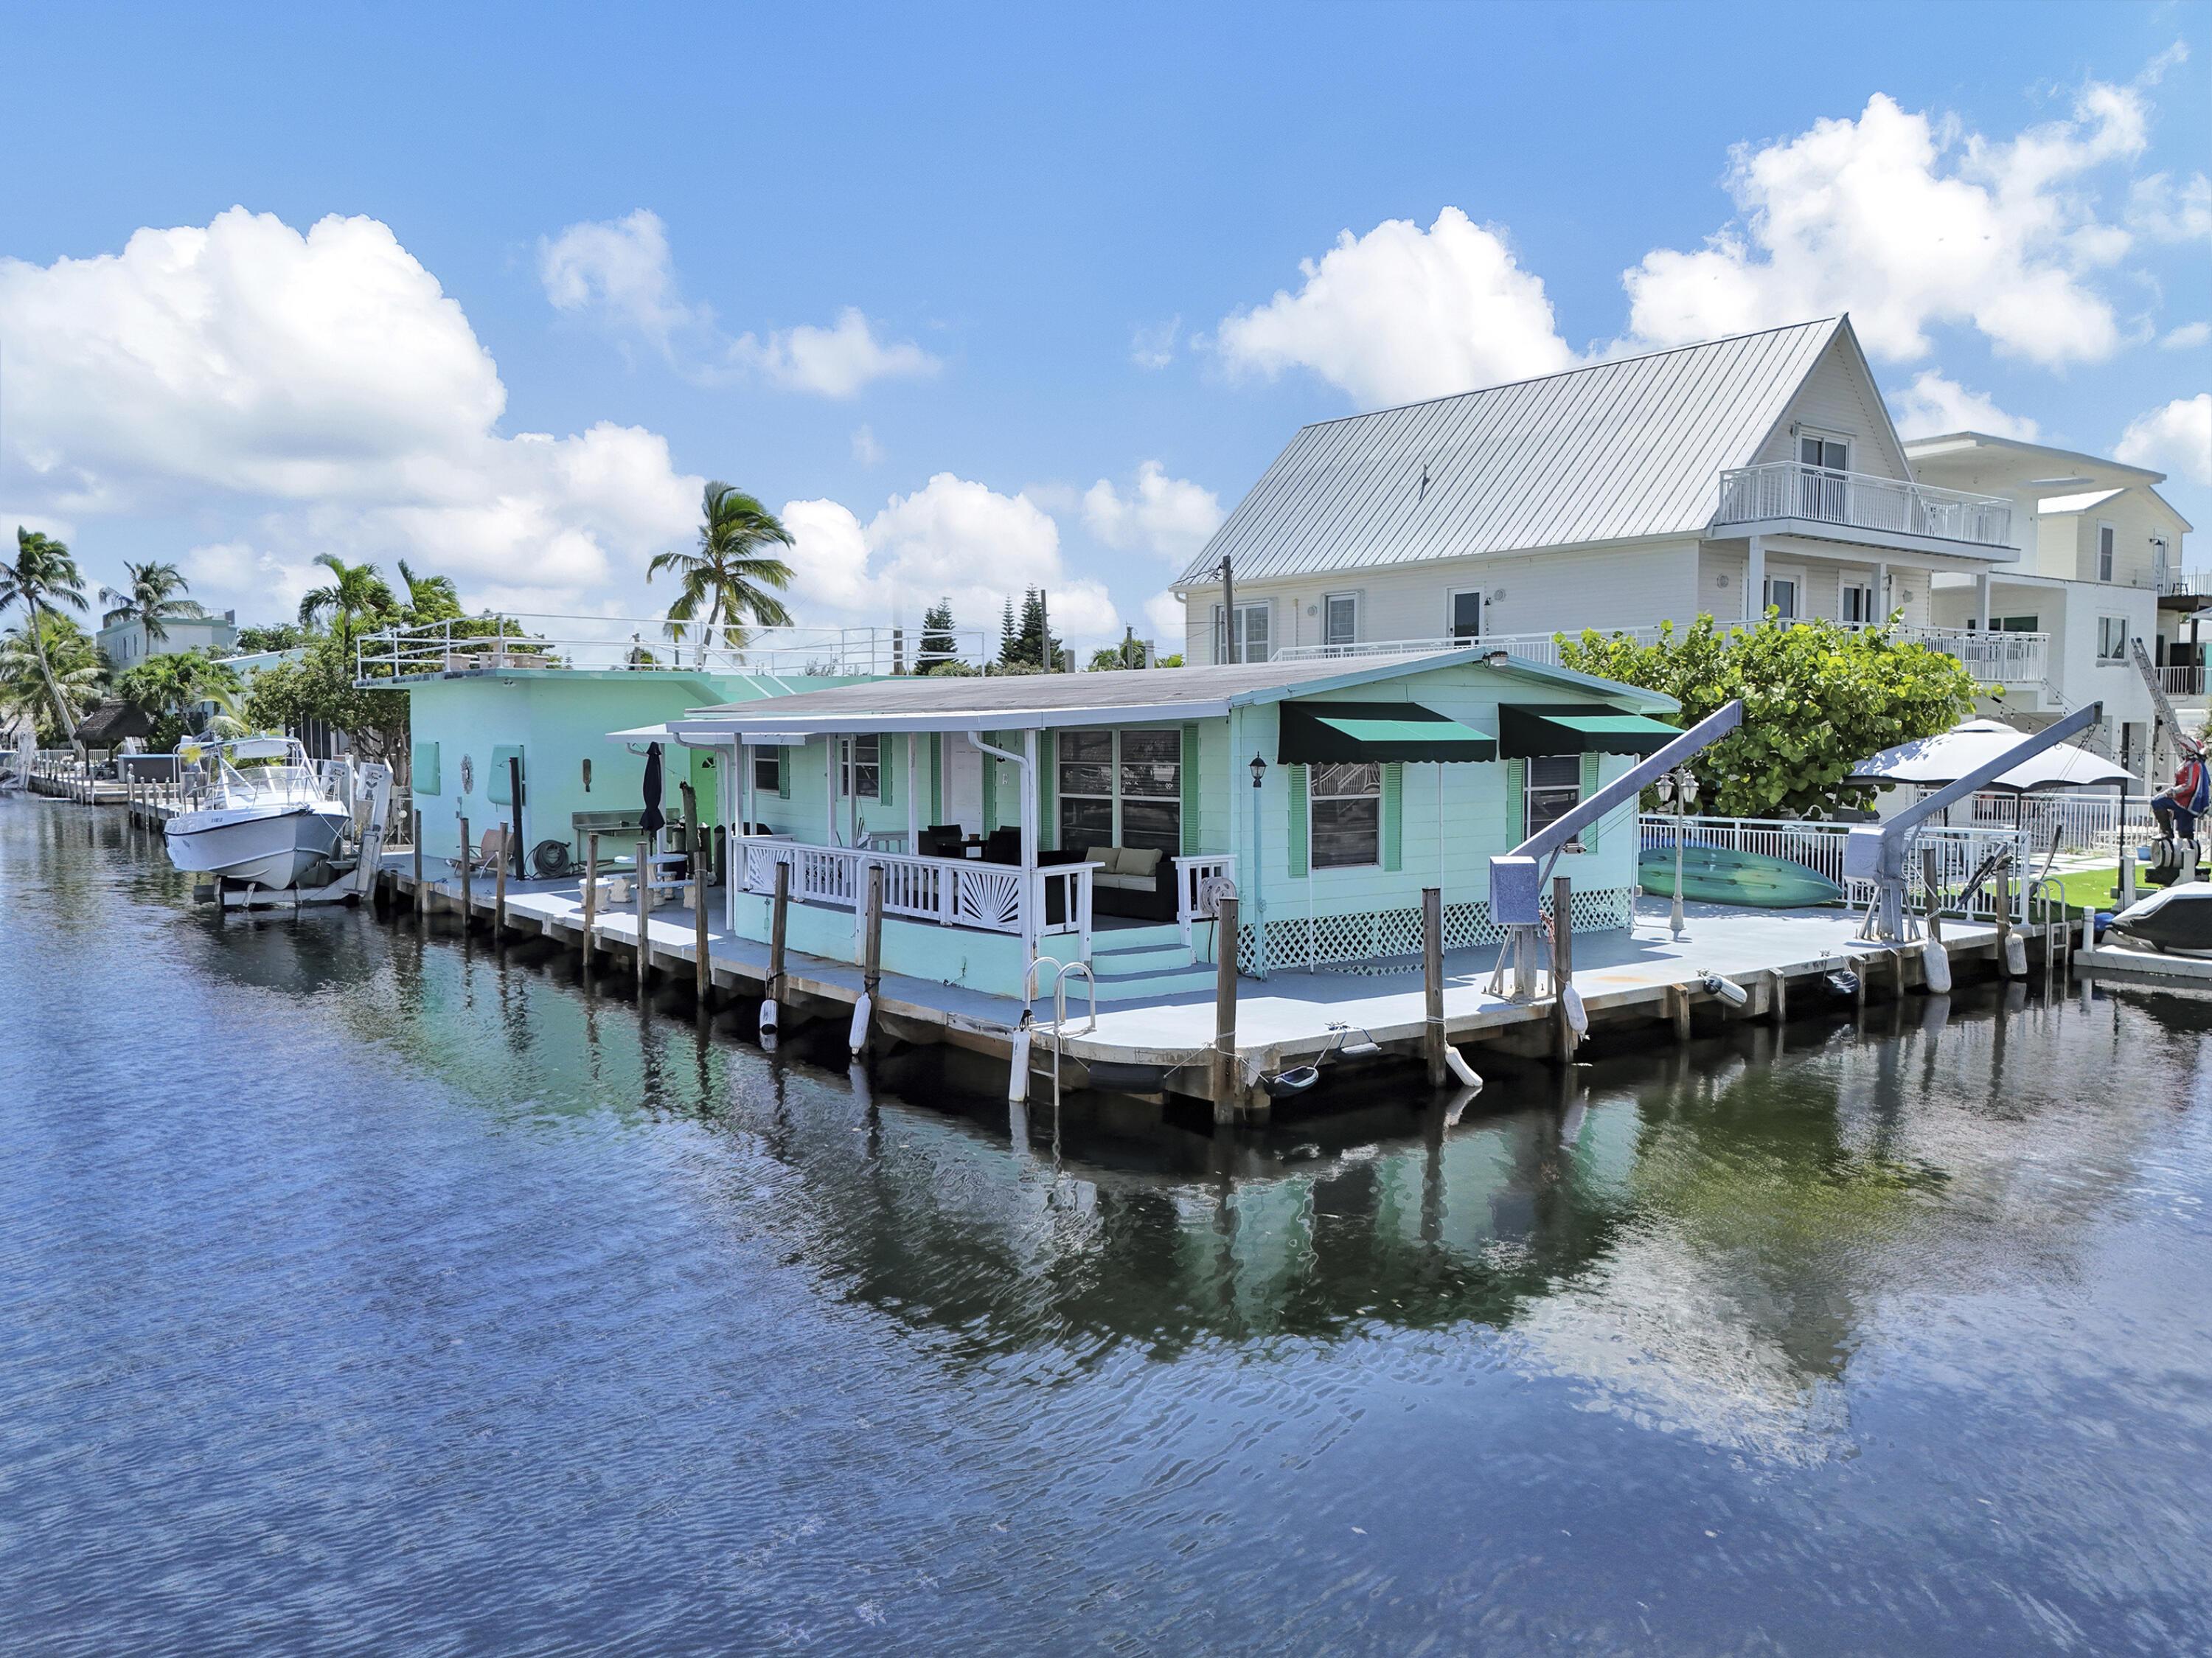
x=1875, y=852
x=1516, y=885
x=370, y=782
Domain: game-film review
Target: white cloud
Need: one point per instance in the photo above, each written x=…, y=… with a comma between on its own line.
x=865, y=449
x=952, y=538
x=1153, y=346
x=1904, y=222
x=2158, y=210
x=831, y=362
x=1165, y=613
x=1402, y=314
x=620, y=268
x=2176, y=439
x=320, y=387
x=1933, y=404
x=621, y=271
x=1171, y=516
x=2189, y=335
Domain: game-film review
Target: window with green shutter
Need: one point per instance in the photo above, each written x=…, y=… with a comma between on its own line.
x=1190, y=847
x=1297, y=848
x=1516, y=800
x=1590, y=763
x=783, y=773
x=1047, y=819
x=1393, y=816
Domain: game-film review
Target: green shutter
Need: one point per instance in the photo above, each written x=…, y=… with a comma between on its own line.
x=423, y=761
x=1588, y=836
x=1517, y=802
x=1047, y=819
x=1189, y=813
x=783, y=773
x=886, y=752
x=1298, y=785
x=496, y=789
x=1393, y=816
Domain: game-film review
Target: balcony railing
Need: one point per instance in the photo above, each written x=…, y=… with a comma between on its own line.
x=2191, y=584
x=1784, y=489
x=512, y=641
x=2181, y=681
x=1989, y=658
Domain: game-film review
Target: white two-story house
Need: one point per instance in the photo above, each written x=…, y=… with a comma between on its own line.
x=1761, y=470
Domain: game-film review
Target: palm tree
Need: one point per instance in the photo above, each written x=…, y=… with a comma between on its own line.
x=728, y=575
x=177, y=683
x=151, y=601
x=430, y=598
x=358, y=591
x=50, y=667
x=43, y=572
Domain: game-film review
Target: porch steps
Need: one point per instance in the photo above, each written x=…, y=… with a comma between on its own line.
x=1145, y=961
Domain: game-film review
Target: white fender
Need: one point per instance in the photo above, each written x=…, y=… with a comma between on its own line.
x=1578, y=1015
x=862, y=1011
x=1457, y=1063
x=1936, y=967
x=2016, y=949
x=1018, y=1072
x=768, y=1017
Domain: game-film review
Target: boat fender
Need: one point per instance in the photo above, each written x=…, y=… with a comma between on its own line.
x=1727, y=989
x=1570, y=1000
x=1455, y=1061
x=1844, y=982
x=1018, y=1067
x=862, y=1011
x=768, y=1017
x=2016, y=949
x=1935, y=967
x=1284, y=1085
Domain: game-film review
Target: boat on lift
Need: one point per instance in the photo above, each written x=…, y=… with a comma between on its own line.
x=270, y=814
x=2175, y=920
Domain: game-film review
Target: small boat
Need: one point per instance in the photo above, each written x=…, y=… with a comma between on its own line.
x=267, y=824
x=1722, y=874
x=2176, y=919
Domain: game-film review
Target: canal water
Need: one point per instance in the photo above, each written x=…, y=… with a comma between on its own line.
x=365, y=1292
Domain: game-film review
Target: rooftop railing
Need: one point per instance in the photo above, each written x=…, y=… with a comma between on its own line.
x=512, y=641
x=1787, y=488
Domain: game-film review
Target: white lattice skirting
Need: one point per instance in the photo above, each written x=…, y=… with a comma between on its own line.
x=1388, y=941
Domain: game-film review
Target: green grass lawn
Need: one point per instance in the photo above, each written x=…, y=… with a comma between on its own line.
x=2094, y=887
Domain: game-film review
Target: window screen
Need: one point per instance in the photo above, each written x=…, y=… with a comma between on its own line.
x=1555, y=789
x=1151, y=790
x=1086, y=788
x=1347, y=816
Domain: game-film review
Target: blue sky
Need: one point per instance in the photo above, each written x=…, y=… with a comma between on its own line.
x=990, y=296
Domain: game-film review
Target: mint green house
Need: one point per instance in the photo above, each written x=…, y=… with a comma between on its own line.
x=1089, y=817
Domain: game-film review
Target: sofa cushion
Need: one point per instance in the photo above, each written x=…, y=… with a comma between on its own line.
x=1109, y=855
x=1137, y=861
x=1124, y=883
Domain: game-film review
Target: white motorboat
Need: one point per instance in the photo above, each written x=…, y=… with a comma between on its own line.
x=266, y=823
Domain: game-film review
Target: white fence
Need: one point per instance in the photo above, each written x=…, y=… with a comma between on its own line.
x=1786, y=489
x=1941, y=860
x=512, y=642
x=2075, y=823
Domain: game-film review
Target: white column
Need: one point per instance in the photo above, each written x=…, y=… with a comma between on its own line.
x=1032, y=889
x=1881, y=593
x=830, y=789
x=913, y=807
x=1755, y=580
x=1982, y=601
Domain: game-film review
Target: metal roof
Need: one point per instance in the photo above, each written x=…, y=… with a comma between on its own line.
x=1017, y=702
x=1629, y=448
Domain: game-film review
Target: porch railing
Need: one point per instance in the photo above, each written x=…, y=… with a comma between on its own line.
x=1988, y=658
x=1940, y=860
x=990, y=898
x=1788, y=489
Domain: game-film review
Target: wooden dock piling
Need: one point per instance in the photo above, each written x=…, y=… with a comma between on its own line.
x=644, y=908
x=1227, y=1078
x=871, y=951
x=591, y=896
x=1563, y=967
x=778, y=920
x=499, y=899
x=467, y=854
x=702, y=960
x=1432, y=984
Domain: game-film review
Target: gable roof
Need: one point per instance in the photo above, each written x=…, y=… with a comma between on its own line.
x=1629, y=448
x=1016, y=702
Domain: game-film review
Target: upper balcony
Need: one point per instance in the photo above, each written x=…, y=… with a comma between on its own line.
x=1786, y=497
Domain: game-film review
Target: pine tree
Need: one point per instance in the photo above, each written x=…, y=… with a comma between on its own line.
x=1010, y=638
x=938, y=644
x=1029, y=645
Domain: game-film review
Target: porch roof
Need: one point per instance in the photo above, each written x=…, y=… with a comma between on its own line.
x=1042, y=701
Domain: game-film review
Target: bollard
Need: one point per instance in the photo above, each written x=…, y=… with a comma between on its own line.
x=1226, y=1088
x=1432, y=984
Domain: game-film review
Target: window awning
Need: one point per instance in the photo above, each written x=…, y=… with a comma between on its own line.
x=1328, y=733
x=1577, y=729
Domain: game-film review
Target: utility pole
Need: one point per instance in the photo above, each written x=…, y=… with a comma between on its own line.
x=1228, y=609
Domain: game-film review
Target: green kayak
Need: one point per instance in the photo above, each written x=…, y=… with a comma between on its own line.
x=1717, y=874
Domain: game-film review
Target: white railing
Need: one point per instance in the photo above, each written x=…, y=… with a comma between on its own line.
x=1785, y=489
x=949, y=891
x=2073, y=821
x=1989, y=658
x=1951, y=855
x=1190, y=878
x=2181, y=681
x=2188, y=584
x=515, y=641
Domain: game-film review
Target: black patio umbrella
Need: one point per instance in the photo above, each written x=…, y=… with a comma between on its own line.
x=652, y=820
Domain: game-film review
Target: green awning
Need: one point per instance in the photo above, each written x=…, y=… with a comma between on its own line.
x=1329, y=733
x=1577, y=729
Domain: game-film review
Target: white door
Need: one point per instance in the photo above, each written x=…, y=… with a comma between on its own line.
x=963, y=784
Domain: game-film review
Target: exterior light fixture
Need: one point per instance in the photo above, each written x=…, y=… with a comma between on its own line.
x=1259, y=770
x=1496, y=659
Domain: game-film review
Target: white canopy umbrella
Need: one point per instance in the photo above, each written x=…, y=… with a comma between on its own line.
x=1949, y=755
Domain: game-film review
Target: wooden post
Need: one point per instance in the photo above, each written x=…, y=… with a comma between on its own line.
x=1227, y=1088
x=1432, y=984
x=418, y=859
x=465, y=875
x=499, y=895
x=702, y=959
x=778, y=907
x=1563, y=965
x=514, y=810
x=1677, y=1010
x=644, y=904
x=1777, y=1008
x=590, y=894
x=872, y=957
